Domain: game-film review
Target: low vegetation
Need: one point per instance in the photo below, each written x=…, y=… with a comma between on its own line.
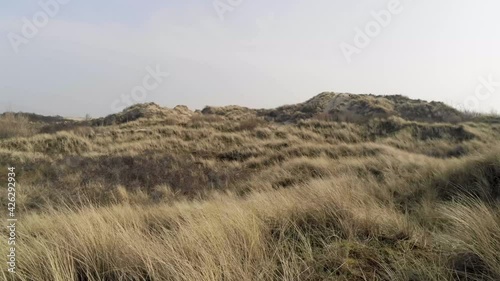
x=231, y=193
x=12, y=125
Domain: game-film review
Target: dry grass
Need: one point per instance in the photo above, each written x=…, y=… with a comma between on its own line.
x=218, y=197
x=12, y=125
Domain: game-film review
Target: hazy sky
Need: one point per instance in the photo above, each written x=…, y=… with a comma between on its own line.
x=96, y=56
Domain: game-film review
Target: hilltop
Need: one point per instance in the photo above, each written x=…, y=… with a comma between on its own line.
x=328, y=106
x=325, y=106
x=149, y=111
x=360, y=108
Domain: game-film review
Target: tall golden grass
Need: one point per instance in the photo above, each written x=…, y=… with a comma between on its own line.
x=217, y=199
x=12, y=125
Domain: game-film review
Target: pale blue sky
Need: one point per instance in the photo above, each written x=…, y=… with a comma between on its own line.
x=261, y=54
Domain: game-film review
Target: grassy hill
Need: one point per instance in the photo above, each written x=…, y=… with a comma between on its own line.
x=356, y=108
x=340, y=187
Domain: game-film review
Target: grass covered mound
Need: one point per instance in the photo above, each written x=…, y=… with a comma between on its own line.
x=229, y=194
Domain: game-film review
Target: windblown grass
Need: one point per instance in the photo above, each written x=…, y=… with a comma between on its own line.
x=12, y=125
x=216, y=197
